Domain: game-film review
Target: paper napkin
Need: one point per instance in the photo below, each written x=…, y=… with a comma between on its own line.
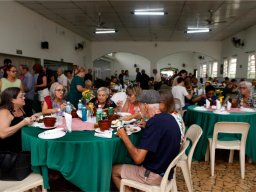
x=207, y=103
x=68, y=119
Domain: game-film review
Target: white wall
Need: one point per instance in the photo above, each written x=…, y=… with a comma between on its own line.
x=126, y=61
x=21, y=28
x=229, y=50
x=177, y=60
x=155, y=53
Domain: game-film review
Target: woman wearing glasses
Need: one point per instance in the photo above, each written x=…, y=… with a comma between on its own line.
x=245, y=96
x=10, y=79
x=55, y=102
x=12, y=119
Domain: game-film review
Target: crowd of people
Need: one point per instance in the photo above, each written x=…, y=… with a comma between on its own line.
x=161, y=124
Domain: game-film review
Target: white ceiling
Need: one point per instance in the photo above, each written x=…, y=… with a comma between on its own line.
x=81, y=17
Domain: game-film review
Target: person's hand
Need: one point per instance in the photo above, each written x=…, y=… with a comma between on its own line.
x=29, y=120
x=119, y=104
x=121, y=132
x=141, y=123
x=63, y=106
x=127, y=118
x=203, y=96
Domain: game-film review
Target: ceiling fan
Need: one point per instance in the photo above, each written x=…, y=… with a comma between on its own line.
x=211, y=20
x=100, y=23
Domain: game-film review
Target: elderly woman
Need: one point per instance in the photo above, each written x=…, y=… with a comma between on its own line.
x=245, y=97
x=12, y=119
x=77, y=87
x=55, y=102
x=132, y=105
x=10, y=79
x=103, y=99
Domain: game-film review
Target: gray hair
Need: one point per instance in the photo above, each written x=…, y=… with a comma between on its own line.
x=105, y=89
x=246, y=84
x=53, y=88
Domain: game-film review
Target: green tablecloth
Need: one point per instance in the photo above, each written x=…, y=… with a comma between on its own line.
x=207, y=120
x=83, y=159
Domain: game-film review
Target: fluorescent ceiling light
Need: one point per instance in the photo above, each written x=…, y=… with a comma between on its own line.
x=197, y=30
x=157, y=11
x=105, y=30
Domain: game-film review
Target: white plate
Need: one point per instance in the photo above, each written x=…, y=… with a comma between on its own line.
x=130, y=121
x=221, y=112
x=123, y=114
x=247, y=109
x=79, y=113
x=52, y=134
x=200, y=109
x=99, y=131
x=133, y=129
x=41, y=125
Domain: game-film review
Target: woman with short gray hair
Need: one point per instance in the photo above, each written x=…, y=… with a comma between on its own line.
x=245, y=97
x=103, y=99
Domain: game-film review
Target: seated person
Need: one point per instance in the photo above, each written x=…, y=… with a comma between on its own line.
x=210, y=95
x=131, y=104
x=103, y=99
x=55, y=102
x=12, y=119
x=152, y=154
x=245, y=97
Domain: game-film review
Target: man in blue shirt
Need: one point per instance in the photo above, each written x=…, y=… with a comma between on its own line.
x=159, y=145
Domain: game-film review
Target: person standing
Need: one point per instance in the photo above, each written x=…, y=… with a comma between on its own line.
x=10, y=79
x=144, y=80
x=28, y=83
x=88, y=75
x=138, y=76
x=62, y=79
x=157, y=80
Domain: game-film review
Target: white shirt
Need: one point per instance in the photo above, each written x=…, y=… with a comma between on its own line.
x=63, y=80
x=157, y=78
x=179, y=92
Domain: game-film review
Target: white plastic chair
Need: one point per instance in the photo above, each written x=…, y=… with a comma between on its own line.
x=193, y=133
x=214, y=143
x=30, y=182
x=165, y=185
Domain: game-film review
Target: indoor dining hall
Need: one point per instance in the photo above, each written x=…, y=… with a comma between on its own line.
x=125, y=96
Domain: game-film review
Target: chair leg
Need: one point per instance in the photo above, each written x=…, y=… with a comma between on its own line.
x=207, y=154
x=186, y=174
x=231, y=156
x=242, y=162
x=212, y=157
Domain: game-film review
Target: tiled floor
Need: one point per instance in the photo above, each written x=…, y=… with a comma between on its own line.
x=226, y=179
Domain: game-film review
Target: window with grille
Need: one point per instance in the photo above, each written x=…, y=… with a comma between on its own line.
x=214, y=69
x=232, y=67
x=203, y=70
x=251, y=66
x=225, y=68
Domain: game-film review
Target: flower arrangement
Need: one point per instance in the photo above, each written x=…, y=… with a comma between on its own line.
x=218, y=92
x=87, y=95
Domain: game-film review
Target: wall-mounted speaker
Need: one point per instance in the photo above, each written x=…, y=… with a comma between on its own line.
x=44, y=45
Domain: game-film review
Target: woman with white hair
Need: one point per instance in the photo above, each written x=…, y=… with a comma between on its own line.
x=103, y=99
x=245, y=97
x=55, y=102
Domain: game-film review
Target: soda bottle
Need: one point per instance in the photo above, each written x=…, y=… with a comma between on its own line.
x=99, y=113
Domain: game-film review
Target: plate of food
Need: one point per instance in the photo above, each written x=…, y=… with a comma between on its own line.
x=116, y=123
x=42, y=126
x=52, y=134
x=131, y=129
x=130, y=121
x=122, y=114
x=200, y=108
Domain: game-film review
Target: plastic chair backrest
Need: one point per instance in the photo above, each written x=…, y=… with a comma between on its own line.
x=165, y=183
x=194, y=133
x=231, y=127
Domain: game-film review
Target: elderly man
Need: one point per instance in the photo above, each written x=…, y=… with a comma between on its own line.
x=159, y=145
x=62, y=79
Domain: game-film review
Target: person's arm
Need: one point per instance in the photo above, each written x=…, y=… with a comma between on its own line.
x=44, y=84
x=198, y=98
x=46, y=110
x=138, y=155
x=80, y=88
x=5, y=121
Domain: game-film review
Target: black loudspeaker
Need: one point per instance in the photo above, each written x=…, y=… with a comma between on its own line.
x=44, y=45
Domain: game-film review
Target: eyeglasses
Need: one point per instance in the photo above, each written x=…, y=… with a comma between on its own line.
x=21, y=96
x=60, y=90
x=13, y=71
x=242, y=87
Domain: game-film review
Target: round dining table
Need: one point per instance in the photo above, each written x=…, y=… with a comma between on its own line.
x=207, y=119
x=82, y=158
